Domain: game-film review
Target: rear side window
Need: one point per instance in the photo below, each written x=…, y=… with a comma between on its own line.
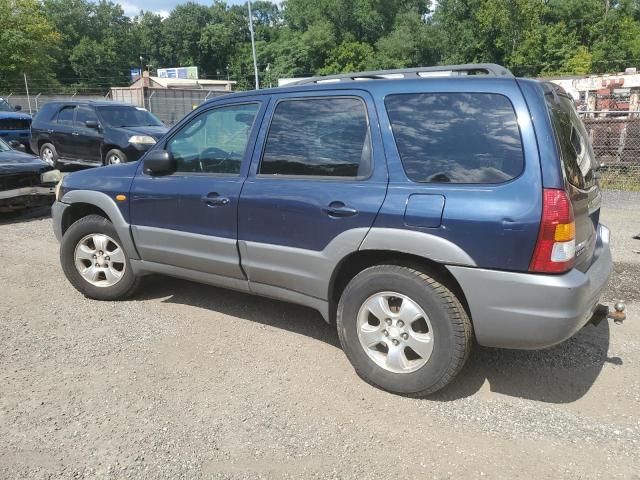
x=327, y=137
x=84, y=115
x=65, y=116
x=573, y=141
x=456, y=137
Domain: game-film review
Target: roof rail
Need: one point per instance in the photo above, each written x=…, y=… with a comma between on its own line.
x=490, y=69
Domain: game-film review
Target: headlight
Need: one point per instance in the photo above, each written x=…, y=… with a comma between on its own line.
x=142, y=139
x=52, y=176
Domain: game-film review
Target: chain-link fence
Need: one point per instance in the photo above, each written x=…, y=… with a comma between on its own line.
x=169, y=105
x=32, y=103
x=615, y=136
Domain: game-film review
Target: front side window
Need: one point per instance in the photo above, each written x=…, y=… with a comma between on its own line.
x=215, y=141
x=326, y=137
x=456, y=137
x=65, y=116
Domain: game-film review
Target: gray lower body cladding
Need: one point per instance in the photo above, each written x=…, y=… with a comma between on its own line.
x=508, y=309
x=532, y=311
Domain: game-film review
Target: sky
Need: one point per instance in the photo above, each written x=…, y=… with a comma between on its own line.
x=132, y=7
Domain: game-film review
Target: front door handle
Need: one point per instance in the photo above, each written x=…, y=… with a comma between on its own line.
x=214, y=200
x=339, y=210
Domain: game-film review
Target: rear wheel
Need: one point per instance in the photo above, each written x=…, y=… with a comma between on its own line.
x=402, y=330
x=94, y=261
x=115, y=157
x=49, y=154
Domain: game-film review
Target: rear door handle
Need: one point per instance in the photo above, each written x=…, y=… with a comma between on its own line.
x=339, y=210
x=213, y=199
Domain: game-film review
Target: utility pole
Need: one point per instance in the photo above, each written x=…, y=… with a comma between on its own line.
x=253, y=46
x=26, y=87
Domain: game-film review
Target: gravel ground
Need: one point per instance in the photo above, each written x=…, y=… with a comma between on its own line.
x=190, y=381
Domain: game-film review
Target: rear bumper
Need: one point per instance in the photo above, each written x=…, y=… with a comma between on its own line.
x=531, y=311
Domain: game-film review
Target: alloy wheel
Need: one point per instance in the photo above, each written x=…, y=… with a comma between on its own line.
x=395, y=332
x=100, y=260
x=47, y=155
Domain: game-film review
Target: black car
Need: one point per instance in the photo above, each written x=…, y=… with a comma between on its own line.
x=93, y=133
x=25, y=180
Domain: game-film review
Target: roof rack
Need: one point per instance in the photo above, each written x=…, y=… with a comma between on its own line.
x=490, y=69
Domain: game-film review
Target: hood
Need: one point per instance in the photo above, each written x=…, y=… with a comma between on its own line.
x=155, y=132
x=103, y=174
x=15, y=115
x=14, y=161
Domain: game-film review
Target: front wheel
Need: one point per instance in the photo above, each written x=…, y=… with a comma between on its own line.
x=94, y=261
x=402, y=330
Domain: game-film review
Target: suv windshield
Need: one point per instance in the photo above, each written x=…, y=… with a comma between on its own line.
x=4, y=106
x=118, y=116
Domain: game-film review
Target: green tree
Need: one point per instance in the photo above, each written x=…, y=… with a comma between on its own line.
x=148, y=31
x=348, y=57
x=182, y=34
x=27, y=44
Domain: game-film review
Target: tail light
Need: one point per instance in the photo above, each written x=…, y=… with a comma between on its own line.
x=556, y=246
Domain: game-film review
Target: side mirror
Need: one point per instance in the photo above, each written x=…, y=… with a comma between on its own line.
x=17, y=108
x=92, y=124
x=16, y=145
x=159, y=162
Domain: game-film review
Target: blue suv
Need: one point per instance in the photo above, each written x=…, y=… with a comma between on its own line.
x=14, y=125
x=419, y=210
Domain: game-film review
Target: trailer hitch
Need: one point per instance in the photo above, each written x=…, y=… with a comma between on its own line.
x=603, y=311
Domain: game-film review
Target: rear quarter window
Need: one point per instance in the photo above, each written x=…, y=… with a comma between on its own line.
x=46, y=114
x=574, y=148
x=456, y=137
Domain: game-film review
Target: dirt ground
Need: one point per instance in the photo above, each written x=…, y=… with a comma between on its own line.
x=189, y=381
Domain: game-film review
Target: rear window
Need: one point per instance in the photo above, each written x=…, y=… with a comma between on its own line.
x=456, y=137
x=574, y=147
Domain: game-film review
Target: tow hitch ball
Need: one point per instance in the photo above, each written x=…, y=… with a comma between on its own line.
x=602, y=311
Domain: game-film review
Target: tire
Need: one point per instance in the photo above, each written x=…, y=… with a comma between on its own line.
x=115, y=157
x=78, y=241
x=49, y=154
x=439, y=315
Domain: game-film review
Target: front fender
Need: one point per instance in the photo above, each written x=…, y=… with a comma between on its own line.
x=109, y=207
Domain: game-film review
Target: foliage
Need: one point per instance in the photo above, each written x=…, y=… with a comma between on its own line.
x=27, y=41
x=87, y=44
